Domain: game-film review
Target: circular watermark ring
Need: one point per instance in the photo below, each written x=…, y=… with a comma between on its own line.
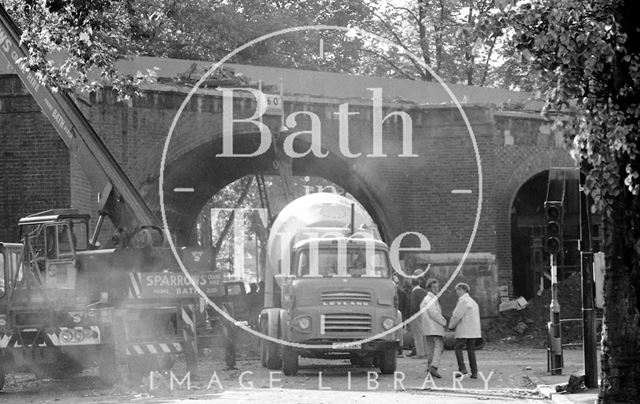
x=216, y=66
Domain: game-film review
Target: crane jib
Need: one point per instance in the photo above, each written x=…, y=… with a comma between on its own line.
x=13, y=53
x=76, y=132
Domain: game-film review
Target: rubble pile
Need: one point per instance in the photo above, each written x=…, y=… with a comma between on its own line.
x=529, y=325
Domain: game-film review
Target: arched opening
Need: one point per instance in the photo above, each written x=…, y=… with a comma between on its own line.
x=234, y=222
x=529, y=260
x=203, y=175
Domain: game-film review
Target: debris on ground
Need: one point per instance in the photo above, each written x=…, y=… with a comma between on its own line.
x=528, y=326
x=576, y=384
x=515, y=304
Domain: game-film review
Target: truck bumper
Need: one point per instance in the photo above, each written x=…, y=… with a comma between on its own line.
x=21, y=359
x=329, y=346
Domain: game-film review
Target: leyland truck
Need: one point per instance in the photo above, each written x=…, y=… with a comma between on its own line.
x=328, y=289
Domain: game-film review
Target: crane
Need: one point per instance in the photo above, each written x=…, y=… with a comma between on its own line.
x=118, y=198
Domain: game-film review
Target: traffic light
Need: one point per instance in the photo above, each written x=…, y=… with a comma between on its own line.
x=553, y=238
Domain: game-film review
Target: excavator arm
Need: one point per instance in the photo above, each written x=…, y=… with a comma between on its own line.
x=118, y=198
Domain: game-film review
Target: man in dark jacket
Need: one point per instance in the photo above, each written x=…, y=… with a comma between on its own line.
x=403, y=301
x=417, y=295
x=253, y=299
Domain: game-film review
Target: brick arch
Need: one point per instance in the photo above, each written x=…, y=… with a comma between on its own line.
x=196, y=166
x=194, y=129
x=535, y=163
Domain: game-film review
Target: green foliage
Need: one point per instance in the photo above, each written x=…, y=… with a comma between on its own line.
x=86, y=38
x=579, y=49
x=454, y=37
x=208, y=30
x=74, y=44
x=588, y=54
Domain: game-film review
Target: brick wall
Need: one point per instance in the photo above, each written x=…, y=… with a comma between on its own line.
x=523, y=148
x=402, y=194
x=34, y=162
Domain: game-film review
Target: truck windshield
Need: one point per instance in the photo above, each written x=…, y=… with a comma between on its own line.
x=355, y=263
x=63, y=239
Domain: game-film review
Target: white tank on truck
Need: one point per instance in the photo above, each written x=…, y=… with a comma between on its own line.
x=328, y=287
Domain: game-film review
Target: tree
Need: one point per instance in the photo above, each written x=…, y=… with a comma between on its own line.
x=208, y=30
x=243, y=194
x=588, y=52
x=447, y=35
x=74, y=44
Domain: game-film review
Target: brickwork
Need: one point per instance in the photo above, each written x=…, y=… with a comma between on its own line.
x=533, y=151
x=402, y=194
x=34, y=161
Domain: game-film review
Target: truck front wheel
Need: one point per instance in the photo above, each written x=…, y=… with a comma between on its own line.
x=263, y=355
x=271, y=355
x=360, y=361
x=387, y=361
x=269, y=351
x=289, y=361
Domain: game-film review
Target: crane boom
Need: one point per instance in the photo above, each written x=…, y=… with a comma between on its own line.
x=95, y=159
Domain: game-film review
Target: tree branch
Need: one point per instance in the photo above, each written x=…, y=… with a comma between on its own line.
x=422, y=30
x=411, y=13
x=400, y=42
x=486, y=63
x=390, y=62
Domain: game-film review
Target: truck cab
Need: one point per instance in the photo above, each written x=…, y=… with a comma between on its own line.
x=342, y=298
x=53, y=240
x=47, y=323
x=337, y=298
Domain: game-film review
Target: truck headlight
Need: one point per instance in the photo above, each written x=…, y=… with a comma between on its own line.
x=66, y=336
x=387, y=323
x=303, y=323
x=79, y=335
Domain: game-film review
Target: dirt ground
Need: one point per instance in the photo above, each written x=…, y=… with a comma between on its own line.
x=508, y=371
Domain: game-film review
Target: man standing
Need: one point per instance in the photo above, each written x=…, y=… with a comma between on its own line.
x=254, y=303
x=403, y=303
x=466, y=321
x=433, y=326
x=416, y=297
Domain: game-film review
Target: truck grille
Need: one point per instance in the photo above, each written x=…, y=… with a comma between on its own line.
x=345, y=298
x=345, y=322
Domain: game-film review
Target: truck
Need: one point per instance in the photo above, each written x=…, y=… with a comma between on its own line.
x=65, y=307
x=329, y=291
x=45, y=326
x=66, y=302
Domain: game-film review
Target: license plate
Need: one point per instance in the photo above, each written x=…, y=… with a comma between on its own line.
x=346, y=345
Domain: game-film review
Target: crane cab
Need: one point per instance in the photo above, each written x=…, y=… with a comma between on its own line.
x=52, y=240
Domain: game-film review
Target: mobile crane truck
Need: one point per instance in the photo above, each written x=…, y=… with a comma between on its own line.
x=328, y=287
x=64, y=303
x=64, y=306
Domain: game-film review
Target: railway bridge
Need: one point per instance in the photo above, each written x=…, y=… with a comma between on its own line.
x=472, y=184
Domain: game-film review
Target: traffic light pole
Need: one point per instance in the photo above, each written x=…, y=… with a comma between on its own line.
x=555, y=329
x=588, y=315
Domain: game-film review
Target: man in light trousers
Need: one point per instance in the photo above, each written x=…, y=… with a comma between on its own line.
x=466, y=321
x=433, y=324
